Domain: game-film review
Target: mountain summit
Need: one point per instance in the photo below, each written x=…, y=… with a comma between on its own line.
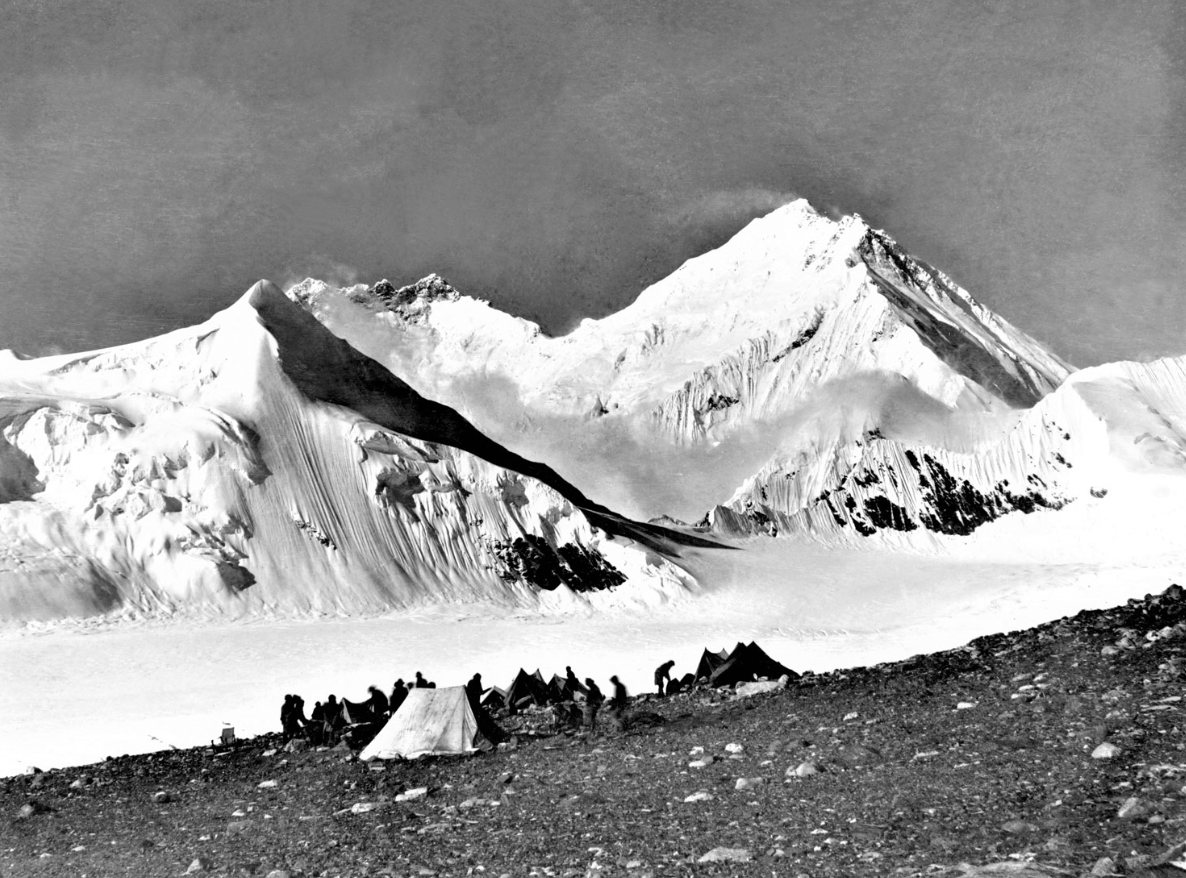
x=256, y=463
x=728, y=359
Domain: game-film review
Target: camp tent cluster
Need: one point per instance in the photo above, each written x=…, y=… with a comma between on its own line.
x=444, y=721
x=745, y=663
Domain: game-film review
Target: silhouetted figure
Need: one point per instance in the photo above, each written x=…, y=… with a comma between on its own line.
x=573, y=683
x=380, y=706
x=420, y=682
x=300, y=722
x=333, y=720
x=617, y=704
x=593, y=700
x=473, y=690
x=663, y=675
x=317, y=723
x=398, y=693
x=286, y=717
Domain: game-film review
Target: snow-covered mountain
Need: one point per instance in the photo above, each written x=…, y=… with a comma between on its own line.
x=1104, y=428
x=778, y=357
x=807, y=379
x=256, y=464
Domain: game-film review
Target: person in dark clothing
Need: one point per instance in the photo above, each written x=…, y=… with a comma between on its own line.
x=380, y=707
x=473, y=690
x=420, y=683
x=593, y=700
x=663, y=675
x=299, y=721
x=617, y=704
x=333, y=721
x=284, y=712
x=398, y=693
x=317, y=723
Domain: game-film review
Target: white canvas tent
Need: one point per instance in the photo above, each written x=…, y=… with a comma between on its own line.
x=435, y=721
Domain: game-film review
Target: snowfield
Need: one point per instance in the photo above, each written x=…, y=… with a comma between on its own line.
x=76, y=696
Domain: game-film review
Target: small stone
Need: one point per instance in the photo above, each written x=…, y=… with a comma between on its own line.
x=161, y=797
x=238, y=827
x=268, y=784
x=699, y=796
x=25, y=812
x=506, y=777
x=748, y=783
x=703, y=762
x=965, y=705
x=1104, y=866
x=280, y=873
x=200, y=864
x=1131, y=808
x=1018, y=826
x=727, y=855
x=734, y=748
x=272, y=751
x=363, y=807
x=848, y=717
x=803, y=769
x=1105, y=750
x=296, y=745
x=414, y=793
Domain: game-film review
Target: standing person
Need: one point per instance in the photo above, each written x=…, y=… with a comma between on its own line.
x=593, y=699
x=317, y=723
x=379, y=704
x=332, y=719
x=473, y=689
x=617, y=704
x=299, y=721
x=285, y=711
x=398, y=693
x=663, y=675
x=420, y=683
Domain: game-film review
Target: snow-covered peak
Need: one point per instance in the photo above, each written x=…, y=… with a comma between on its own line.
x=720, y=359
x=258, y=463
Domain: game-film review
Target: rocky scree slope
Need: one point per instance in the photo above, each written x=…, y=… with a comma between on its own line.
x=1055, y=751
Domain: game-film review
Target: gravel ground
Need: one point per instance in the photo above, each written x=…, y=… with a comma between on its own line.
x=984, y=760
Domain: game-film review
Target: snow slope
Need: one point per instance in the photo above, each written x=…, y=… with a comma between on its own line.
x=695, y=385
x=257, y=464
x=1106, y=428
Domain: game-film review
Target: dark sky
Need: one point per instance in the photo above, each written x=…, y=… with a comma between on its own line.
x=555, y=156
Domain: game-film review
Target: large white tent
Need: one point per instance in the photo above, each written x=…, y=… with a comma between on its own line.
x=437, y=721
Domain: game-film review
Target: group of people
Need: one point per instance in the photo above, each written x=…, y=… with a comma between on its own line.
x=327, y=721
